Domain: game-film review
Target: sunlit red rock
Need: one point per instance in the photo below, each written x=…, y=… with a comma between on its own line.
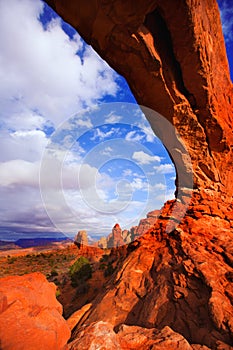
x=173, y=56
x=30, y=315
x=115, y=239
x=177, y=278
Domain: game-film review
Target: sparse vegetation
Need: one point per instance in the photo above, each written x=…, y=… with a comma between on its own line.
x=58, y=292
x=51, y=264
x=80, y=271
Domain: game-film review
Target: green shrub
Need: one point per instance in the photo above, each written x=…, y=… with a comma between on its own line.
x=58, y=292
x=80, y=271
x=11, y=260
x=102, y=266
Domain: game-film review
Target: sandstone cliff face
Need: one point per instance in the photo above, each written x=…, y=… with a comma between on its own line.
x=30, y=315
x=146, y=224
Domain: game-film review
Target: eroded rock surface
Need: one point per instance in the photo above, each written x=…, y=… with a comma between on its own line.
x=115, y=239
x=30, y=315
x=81, y=238
x=175, y=283
x=100, y=335
x=181, y=279
x=173, y=56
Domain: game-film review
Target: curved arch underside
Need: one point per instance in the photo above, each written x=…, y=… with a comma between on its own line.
x=173, y=57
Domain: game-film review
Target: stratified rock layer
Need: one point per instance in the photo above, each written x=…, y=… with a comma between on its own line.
x=30, y=315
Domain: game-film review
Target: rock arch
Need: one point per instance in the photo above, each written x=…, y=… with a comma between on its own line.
x=173, y=56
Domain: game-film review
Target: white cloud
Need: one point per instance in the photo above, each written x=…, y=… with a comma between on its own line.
x=165, y=169
x=27, y=120
x=19, y=172
x=148, y=132
x=113, y=118
x=26, y=145
x=139, y=184
x=40, y=69
x=159, y=186
x=145, y=158
x=101, y=135
x=134, y=136
x=127, y=172
x=107, y=151
x=84, y=122
x=226, y=12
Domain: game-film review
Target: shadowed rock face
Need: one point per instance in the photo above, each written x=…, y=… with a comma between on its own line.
x=173, y=56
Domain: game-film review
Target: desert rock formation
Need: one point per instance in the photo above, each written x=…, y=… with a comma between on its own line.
x=81, y=238
x=173, y=56
x=30, y=315
x=176, y=277
x=173, y=289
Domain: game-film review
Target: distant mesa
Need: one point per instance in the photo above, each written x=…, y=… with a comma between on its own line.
x=119, y=237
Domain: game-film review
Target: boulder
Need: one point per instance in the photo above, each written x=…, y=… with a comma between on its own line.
x=30, y=315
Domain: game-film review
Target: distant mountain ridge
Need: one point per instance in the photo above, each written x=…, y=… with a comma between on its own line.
x=31, y=242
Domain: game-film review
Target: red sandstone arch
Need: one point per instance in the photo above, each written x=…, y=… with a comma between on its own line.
x=173, y=56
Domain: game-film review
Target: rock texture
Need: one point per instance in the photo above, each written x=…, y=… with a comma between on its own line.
x=81, y=238
x=102, y=243
x=173, y=288
x=145, y=224
x=182, y=280
x=100, y=335
x=30, y=315
x=118, y=237
x=185, y=77
x=115, y=239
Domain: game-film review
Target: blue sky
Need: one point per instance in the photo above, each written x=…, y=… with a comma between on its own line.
x=107, y=165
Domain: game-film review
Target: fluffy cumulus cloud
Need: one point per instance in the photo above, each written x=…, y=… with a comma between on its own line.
x=145, y=158
x=46, y=76
x=41, y=69
x=165, y=168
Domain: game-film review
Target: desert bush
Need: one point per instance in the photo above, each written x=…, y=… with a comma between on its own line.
x=58, y=292
x=11, y=259
x=80, y=271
